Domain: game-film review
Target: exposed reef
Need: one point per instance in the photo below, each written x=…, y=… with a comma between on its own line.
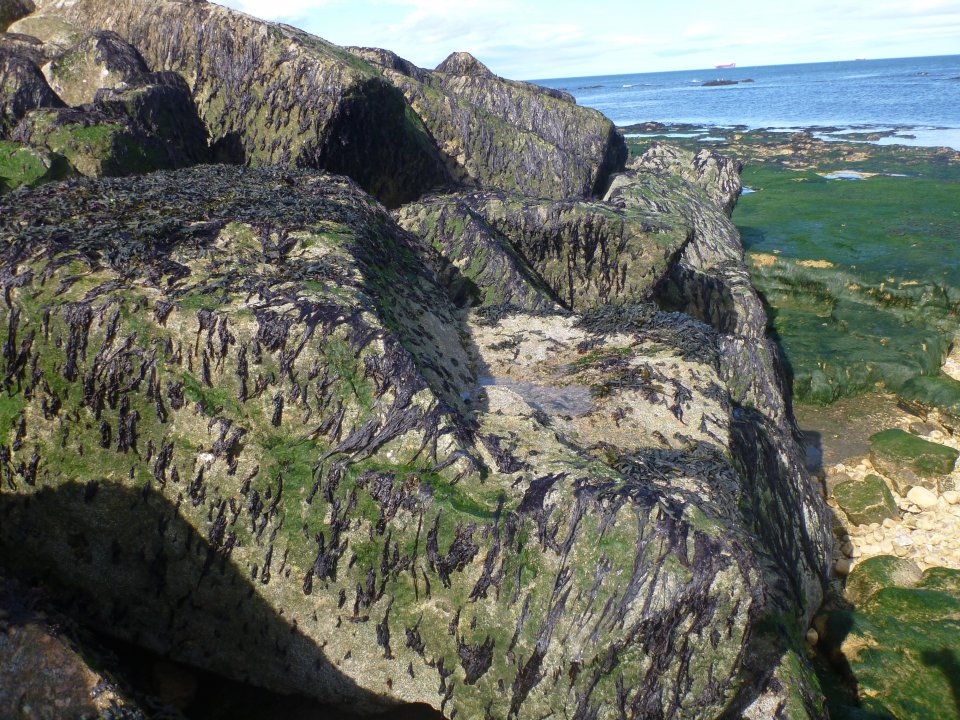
x=511, y=451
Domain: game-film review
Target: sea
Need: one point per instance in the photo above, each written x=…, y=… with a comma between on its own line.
x=912, y=101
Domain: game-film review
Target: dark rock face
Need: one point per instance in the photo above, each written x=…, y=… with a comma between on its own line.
x=482, y=266
x=272, y=407
x=279, y=94
x=513, y=136
x=102, y=60
x=22, y=89
x=24, y=46
x=13, y=10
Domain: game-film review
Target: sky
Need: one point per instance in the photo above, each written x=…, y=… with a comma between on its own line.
x=540, y=39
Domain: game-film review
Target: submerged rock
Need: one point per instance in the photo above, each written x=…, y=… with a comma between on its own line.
x=243, y=389
x=101, y=60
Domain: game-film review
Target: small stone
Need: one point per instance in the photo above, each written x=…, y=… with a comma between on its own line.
x=886, y=546
x=813, y=637
x=847, y=548
x=922, y=497
x=952, y=497
x=889, y=523
x=843, y=567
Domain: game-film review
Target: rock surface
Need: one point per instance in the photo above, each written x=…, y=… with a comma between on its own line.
x=22, y=89
x=507, y=135
x=248, y=389
x=277, y=95
x=101, y=60
x=910, y=460
x=867, y=501
x=56, y=34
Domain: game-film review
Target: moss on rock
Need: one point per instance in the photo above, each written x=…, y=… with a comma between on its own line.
x=866, y=501
x=28, y=166
x=100, y=60
x=909, y=460
x=879, y=572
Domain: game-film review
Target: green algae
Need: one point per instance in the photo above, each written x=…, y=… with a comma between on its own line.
x=867, y=501
x=26, y=166
x=941, y=393
x=907, y=459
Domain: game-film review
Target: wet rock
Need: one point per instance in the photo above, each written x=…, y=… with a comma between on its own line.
x=710, y=280
x=512, y=136
x=586, y=252
x=13, y=10
x=866, y=501
x=484, y=265
x=924, y=394
x=22, y=89
x=898, y=641
x=101, y=60
x=273, y=94
x=373, y=536
x=909, y=460
x=149, y=124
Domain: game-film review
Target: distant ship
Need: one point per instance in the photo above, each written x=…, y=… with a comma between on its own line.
x=725, y=66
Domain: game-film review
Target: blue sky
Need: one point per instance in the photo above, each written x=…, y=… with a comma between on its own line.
x=536, y=39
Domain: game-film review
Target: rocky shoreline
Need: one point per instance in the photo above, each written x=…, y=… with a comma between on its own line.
x=429, y=397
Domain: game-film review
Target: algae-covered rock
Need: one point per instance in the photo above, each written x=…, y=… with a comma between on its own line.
x=101, y=60
x=909, y=460
x=924, y=394
x=900, y=644
x=56, y=33
x=586, y=252
x=486, y=268
x=246, y=404
x=513, y=136
x=710, y=280
x=149, y=124
x=13, y=10
x=879, y=572
x=278, y=95
x=22, y=89
x=718, y=175
x=866, y=501
x=23, y=165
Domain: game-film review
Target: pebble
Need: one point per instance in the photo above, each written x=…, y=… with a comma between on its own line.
x=813, y=637
x=843, y=566
x=889, y=523
x=952, y=497
x=922, y=498
x=886, y=547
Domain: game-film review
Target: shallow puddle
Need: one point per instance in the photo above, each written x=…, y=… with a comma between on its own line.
x=573, y=400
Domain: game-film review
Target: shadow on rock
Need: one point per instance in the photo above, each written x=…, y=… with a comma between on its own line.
x=130, y=567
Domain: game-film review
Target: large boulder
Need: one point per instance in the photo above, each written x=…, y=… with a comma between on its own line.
x=243, y=425
x=508, y=135
x=22, y=89
x=710, y=280
x=56, y=34
x=586, y=252
x=274, y=94
x=101, y=60
x=149, y=124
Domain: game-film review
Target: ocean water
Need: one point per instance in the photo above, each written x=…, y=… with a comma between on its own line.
x=917, y=97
